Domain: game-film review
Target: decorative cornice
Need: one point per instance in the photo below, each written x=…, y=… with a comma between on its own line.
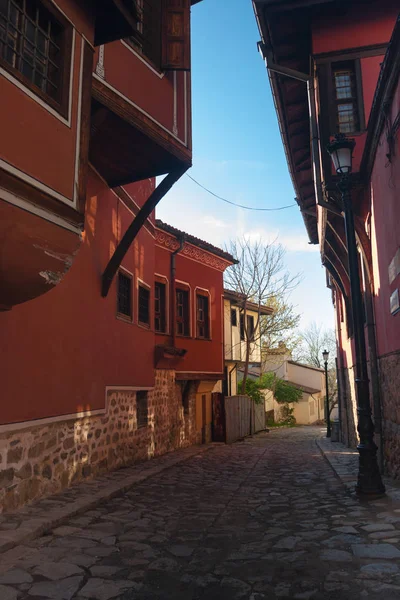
x=169, y=242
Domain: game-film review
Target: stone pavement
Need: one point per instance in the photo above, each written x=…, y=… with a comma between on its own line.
x=344, y=461
x=263, y=519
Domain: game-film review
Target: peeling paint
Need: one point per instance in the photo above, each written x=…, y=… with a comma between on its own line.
x=67, y=259
x=51, y=277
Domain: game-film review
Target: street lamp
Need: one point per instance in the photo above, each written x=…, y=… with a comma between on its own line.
x=325, y=356
x=369, y=481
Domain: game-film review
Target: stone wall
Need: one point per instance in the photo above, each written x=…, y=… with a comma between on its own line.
x=41, y=460
x=389, y=377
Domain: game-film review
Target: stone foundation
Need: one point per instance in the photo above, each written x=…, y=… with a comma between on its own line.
x=41, y=460
x=389, y=378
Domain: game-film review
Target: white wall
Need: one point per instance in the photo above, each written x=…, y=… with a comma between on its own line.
x=305, y=376
x=235, y=348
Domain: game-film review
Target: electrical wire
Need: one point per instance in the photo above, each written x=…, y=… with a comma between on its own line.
x=234, y=203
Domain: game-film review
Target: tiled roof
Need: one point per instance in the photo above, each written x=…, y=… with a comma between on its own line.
x=195, y=241
x=293, y=362
x=303, y=388
x=239, y=298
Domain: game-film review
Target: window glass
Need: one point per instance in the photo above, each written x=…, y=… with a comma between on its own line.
x=233, y=317
x=144, y=305
x=345, y=89
x=182, y=312
x=202, y=316
x=159, y=307
x=124, y=295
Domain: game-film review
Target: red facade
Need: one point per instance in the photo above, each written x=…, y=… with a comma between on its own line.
x=102, y=365
x=353, y=50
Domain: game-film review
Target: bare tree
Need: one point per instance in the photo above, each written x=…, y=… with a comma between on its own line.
x=313, y=341
x=260, y=278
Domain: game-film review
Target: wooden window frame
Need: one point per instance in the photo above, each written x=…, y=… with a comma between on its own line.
x=185, y=318
x=250, y=318
x=142, y=285
x=142, y=423
x=163, y=331
x=120, y=315
x=241, y=325
x=234, y=312
x=328, y=96
x=206, y=321
x=62, y=104
x=137, y=41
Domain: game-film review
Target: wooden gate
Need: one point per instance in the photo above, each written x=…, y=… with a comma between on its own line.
x=238, y=418
x=218, y=417
x=259, y=417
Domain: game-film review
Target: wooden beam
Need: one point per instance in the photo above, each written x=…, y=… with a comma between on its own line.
x=134, y=228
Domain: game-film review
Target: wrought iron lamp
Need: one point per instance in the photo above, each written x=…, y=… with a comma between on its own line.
x=369, y=481
x=325, y=356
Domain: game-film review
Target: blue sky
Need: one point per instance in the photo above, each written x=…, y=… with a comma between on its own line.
x=238, y=153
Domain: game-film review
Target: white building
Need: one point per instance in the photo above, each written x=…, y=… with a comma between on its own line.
x=236, y=310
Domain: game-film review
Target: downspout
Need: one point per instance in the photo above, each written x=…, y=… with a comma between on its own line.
x=134, y=228
x=267, y=55
x=172, y=300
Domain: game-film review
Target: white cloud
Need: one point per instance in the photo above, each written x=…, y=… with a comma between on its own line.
x=211, y=221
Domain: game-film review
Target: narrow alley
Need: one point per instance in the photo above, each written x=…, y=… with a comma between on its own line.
x=263, y=518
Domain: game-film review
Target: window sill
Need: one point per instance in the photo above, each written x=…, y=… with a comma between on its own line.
x=203, y=339
x=179, y=335
x=144, y=326
x=124, y=318
x=161, y=332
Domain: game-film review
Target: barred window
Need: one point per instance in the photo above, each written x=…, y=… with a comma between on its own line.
x=124, y=295
x=144, y=306
x=142, y=415
x=33, y=45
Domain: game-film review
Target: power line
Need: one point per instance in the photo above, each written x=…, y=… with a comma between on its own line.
x=234, y=203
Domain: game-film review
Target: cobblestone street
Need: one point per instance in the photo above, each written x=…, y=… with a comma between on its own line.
x=262, y=519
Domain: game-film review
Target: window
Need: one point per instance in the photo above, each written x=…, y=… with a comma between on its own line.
x=242, y=327
x=159, y=307
x=233, y=317
x=142, y=416
x=182, y=312
x=144, y=305
x=202, y=316
x=147, y=37
x=250, y=328
x=124, y=295
x=345, y=92
x=33, y=44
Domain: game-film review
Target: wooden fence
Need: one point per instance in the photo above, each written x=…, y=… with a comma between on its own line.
x=242, y=418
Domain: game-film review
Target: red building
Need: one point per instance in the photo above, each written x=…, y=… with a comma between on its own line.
x=334, y=68
x=111, y=322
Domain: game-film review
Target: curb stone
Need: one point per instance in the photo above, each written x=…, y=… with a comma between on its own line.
x=344, y=462
x=35, y=520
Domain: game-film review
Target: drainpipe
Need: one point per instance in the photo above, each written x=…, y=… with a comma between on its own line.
x=267, y=55
x=172, y=302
